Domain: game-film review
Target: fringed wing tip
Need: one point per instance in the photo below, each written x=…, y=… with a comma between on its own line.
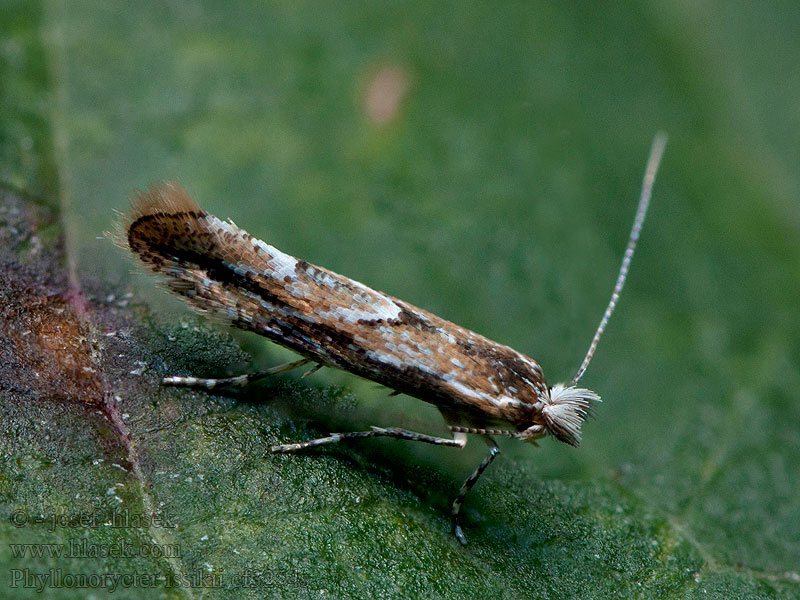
x=160, y=203
x=118, y=233
x=567, y=409
x=163, y=197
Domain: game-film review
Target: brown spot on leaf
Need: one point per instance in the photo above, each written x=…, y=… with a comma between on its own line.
x=386, y=90
x=48, y=342
x=45, y=348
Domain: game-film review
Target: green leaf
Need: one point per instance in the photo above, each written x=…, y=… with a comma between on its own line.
x=479, y=160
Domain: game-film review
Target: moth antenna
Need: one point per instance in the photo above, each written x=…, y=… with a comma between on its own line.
x=656, y=151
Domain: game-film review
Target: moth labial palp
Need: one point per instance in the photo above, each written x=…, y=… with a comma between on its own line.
x=479, y=386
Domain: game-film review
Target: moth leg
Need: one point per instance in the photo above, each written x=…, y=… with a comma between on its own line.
x=467, y=486
x=239, y=381
x=459, y=440
x=312, y=370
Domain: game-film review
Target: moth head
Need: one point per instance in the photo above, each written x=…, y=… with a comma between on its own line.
x=563, y=410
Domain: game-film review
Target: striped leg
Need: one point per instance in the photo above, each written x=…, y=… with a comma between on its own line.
x=240, y=381
x=458, y=441
x=470, y=481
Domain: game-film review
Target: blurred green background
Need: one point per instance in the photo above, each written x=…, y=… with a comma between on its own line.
x=483, y=161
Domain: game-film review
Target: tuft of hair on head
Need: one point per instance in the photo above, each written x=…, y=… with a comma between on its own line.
x=565, y=410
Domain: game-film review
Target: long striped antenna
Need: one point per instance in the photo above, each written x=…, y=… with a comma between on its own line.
x=656, y=152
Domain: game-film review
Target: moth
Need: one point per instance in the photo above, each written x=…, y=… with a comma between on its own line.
x=480, y=387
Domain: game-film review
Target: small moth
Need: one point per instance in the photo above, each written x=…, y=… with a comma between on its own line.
x=479, y=386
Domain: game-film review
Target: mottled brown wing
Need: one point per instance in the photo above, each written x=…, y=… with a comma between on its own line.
x=219, y=268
